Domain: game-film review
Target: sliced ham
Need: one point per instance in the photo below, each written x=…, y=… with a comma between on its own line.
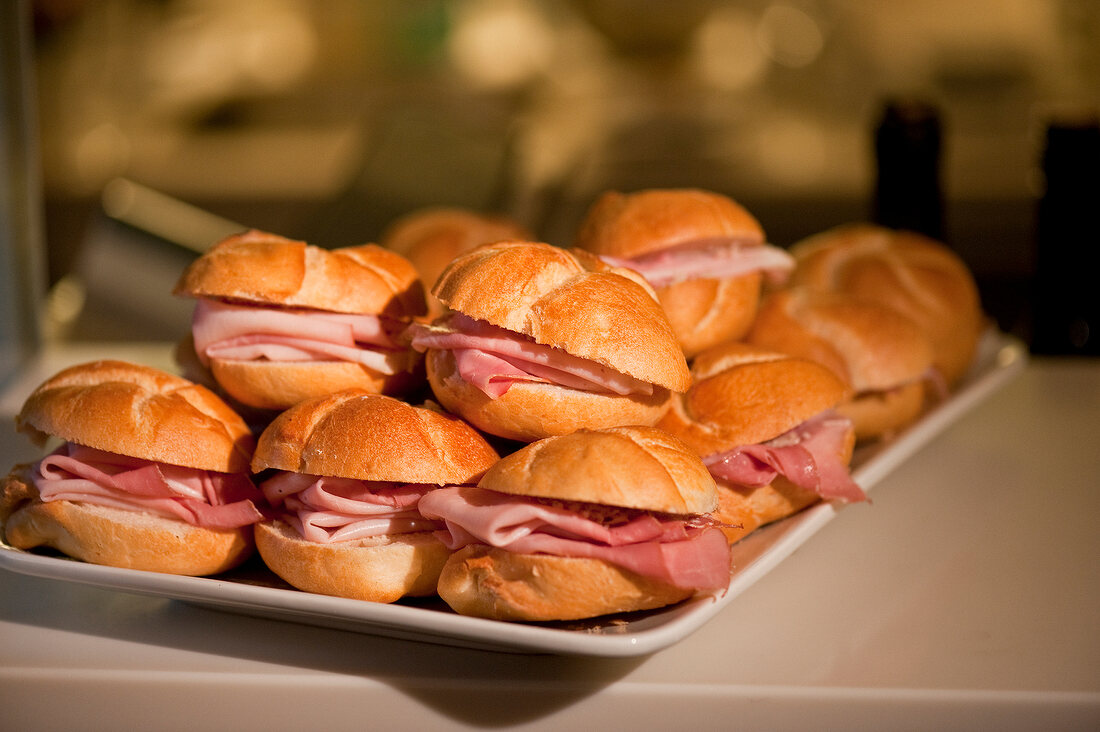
x=808, y=456
x=688, y=554
x=493, y=358
x=326, y=509
x=717, y=258
x=244, y=333
x=200, y=497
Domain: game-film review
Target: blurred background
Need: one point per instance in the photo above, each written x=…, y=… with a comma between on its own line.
x=163, y=124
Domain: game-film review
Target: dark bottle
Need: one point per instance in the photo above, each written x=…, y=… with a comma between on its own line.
x=908, y=194
x=1066, y=305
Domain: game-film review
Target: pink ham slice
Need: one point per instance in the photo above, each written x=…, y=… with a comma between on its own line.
x=808, y=456
x=493, y=358
x=326, y=509
x=689, y=554
x=244, y=333
x=199, y=497
x=717, y=258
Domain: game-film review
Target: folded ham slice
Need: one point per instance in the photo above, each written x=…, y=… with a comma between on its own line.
x=325, y=509
x=200, y=497
x=245, y=333
x=808, y=456
x=493, y=359
x=690, y=554
x=716, y=258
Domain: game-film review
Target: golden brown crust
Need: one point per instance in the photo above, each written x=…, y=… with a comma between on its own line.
x=493, y=583
x=882, y=354
x=916, y=275
x=356, y=434
x=703, y=312
x=869, y=345
x=139, y=411
x=530, y=411
x=361, y=279
x=431, y=237
x=631, y=467
x=381, y=569
x=118, y=537
x=570, y=300
x=707, y=312
x=277, y=385
x=631, y=224
x=744, y=395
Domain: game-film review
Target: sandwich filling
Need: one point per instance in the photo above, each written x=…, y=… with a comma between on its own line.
x=324, y=509
x=712, y=258
x=808, y=455
x=227, y=331
x=202, y=498
x=686, y=552
x=493, y=359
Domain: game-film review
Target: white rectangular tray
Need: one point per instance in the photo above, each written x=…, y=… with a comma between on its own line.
x=255, y=591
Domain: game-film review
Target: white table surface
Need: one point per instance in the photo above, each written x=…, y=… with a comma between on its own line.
x=964, y=597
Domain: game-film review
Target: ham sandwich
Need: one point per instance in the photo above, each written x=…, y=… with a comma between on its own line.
x=687, y=553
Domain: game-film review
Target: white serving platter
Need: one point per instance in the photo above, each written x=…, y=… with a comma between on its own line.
x=255, y=591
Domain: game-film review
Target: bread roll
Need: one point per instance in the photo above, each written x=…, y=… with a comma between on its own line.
x=748, y=396
x=530, y=411
x=117, y=537
x=917, y=276
x=356, y=434
x=703, y=311
x=567, y=301
x=266, y=271
x=882, y=355
x=744, y=395
x=141, y=412
x=376, y=569
x=487, y=582
x=382, y=441
x=629, y=467
x=136, y=412
x=614, y=473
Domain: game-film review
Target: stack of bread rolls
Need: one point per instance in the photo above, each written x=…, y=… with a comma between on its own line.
x=532, y=431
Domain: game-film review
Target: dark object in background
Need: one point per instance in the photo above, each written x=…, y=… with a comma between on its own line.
x=908, y=194
x=1066, y=314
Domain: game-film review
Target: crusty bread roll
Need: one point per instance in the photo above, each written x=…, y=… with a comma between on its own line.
x=882, y=355
x=918, y=276
x=374, y=438
x=138, y=412
x=703, y=311
x=268, y=271
x=529, y=411
x=567, y=300
x=488, y=582
x=630, y=467
x=431, y=237
x=375, y=569
x=356, y=434
x=634, y=468
x=117, y=537
x=745, y=395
